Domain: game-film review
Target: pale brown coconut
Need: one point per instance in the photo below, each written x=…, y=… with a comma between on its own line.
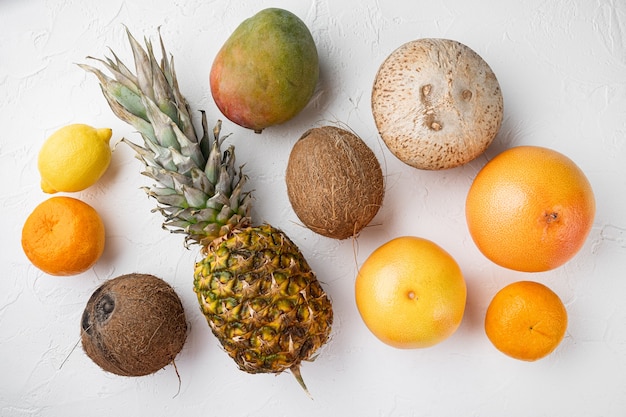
x=334, y=182
x=133, y=325
x=436, y=103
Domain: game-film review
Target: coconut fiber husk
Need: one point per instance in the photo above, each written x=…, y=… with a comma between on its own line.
x=334, y=182
x=133, y=325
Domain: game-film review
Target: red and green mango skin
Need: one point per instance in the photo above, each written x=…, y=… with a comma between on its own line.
x=266, y=71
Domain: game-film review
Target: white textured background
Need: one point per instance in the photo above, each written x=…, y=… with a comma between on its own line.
x=562, y=69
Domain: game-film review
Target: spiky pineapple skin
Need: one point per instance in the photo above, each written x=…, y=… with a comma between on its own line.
x=258, y=293
x=262, y=300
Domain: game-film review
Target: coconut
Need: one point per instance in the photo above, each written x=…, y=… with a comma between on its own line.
x=436, y=103
x=334, y=182
x=133, y=325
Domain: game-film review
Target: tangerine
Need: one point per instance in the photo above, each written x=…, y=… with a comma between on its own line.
x=63, y=236
x=411, y=293
x=526, y=320
x=530, y=209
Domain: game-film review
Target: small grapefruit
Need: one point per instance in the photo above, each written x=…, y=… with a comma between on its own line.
x=411, y=293
x=63, y=236
x=530, y=209
x=526, y=320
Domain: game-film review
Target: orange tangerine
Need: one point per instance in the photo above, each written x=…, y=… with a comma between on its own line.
x=63, y=236
x=526, y=320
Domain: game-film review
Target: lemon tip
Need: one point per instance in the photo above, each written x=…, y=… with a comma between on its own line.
x=105, y=134
x=47, y=188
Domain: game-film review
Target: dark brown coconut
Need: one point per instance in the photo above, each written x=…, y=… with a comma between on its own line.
x=436, y=103
x=334, y=182
x=133, y=325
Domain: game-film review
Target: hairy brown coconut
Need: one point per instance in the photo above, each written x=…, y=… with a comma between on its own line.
x=436, y=103
x=133, y=325
x=334, y=182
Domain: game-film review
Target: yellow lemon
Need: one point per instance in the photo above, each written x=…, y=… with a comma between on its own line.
x=74, y=158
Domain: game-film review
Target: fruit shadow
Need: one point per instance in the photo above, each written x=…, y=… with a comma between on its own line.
x=478, y=297
x=509, y=135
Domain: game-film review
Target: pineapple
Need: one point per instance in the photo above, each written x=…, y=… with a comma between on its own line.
x=259, y=295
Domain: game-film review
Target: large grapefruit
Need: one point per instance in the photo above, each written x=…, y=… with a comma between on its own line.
x=530, y=209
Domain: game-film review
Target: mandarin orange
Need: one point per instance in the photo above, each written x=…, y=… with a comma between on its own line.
x=526, y=320
x=530, y=209
x=63, y=236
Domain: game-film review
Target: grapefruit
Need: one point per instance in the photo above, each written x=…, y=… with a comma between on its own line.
x=530, y=209
x=411, y=293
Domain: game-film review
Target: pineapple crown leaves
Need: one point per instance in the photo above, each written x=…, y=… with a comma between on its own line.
x=199, y=190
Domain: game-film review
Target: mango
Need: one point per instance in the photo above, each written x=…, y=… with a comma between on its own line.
x=267, y=70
